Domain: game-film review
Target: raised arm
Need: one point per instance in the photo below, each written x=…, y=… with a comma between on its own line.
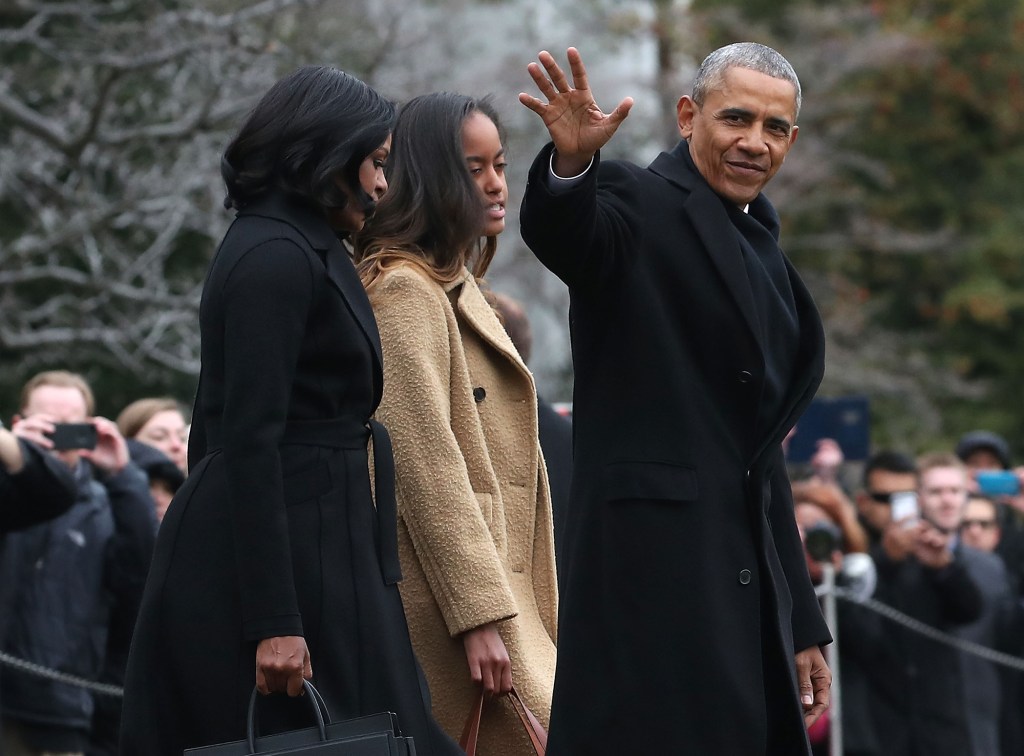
x=578, y=127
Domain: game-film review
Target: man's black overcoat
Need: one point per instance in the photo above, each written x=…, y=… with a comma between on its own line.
x=685, y=587
x=275, y=531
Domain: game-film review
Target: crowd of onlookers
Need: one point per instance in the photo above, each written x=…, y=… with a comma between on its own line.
x=940, y=539
x=80, y=500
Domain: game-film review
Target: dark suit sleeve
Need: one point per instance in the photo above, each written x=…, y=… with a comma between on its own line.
x=42, y=490
x=585, y=232
x=809, y=627
x=266, y=301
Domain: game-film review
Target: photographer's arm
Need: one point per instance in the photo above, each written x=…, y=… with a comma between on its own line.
x=11, y=458
x=34, y=486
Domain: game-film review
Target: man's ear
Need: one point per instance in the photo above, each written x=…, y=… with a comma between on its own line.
x=686, y=109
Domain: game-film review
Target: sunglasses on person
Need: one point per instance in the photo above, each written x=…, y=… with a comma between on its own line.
x=983, y=524
x=883, y=498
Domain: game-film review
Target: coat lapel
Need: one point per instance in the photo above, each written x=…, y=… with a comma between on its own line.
x=812, y=356
x=342, y=273
x=480, y=316
x=708, y=216
x=705, y=211
x=340, y=270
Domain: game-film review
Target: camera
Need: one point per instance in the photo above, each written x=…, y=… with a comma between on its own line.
x=73, y=436
x=821, y=539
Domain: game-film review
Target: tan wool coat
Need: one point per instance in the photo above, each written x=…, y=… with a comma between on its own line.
x=475, y=528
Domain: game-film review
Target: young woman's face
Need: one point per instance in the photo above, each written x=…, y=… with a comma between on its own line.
x=371, y=179
x=485, y=159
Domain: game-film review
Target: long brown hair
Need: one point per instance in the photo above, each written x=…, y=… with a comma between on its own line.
x=431, y=214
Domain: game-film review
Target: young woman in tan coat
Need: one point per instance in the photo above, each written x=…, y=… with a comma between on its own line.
x=475, y=532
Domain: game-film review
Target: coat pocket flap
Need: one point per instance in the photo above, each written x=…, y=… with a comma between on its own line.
x=649, y=480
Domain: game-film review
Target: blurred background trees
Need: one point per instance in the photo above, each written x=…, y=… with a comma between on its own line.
x=901, y=201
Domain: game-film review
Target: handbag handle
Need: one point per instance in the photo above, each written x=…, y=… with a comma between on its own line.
x=534, y=729
x=316, y=703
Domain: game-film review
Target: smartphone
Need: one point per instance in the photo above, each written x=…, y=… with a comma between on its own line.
x=73, y=436
x=903, y=505
x=997, y=482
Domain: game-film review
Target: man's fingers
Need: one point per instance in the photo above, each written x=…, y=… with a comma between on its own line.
x=820, y=700
x=618, y=115
x=554, y=71
x=803, y=680
x=543, y=83
x=579, y=71
x=532, y=103
x=806, y=693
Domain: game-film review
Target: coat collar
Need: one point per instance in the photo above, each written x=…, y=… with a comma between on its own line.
x=708, y=215
x=477, y=312
x=310, y=222
x=302, y=216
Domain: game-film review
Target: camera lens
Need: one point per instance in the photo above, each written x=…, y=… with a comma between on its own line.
x=821, y=540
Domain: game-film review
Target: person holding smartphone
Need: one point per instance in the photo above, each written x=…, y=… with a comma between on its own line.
x=992, y=474
x=918, y=685
x=69, y=587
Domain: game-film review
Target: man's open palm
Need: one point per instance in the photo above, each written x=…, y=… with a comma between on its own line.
x=578, y=127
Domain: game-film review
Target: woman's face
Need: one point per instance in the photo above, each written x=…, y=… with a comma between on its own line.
x=371, y=179
x=485, y=159
x=166, y=431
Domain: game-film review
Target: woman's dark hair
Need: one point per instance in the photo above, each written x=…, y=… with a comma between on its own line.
x=311, y=128
x=431, y=214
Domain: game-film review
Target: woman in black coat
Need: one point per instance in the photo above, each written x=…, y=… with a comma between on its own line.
x=273, y=563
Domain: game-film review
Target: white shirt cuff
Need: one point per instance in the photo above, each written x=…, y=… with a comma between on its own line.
x=565, y=182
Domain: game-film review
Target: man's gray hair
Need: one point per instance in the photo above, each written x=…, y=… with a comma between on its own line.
x=750, y=55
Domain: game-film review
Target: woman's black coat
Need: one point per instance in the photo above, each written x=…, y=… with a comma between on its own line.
x=685, y=592
x=275, y=531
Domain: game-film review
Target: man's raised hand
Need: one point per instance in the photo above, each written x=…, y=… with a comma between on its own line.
x=578, y=127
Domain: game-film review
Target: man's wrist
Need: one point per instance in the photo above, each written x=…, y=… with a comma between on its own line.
x=569, y=168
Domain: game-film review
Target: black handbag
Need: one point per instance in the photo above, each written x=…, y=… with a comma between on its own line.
x=371, y=735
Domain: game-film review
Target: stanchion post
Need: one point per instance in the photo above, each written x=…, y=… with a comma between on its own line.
x=835, y=710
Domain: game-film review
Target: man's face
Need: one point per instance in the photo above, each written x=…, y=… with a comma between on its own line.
x=741, y=136
x=979, y=528
x=943, y=495
x=60, y=404
x=873, y=503
x=983, y=458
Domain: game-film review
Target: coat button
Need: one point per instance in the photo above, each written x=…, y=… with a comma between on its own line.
x=744, y=577
x=478, y=394
x=745, y=376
